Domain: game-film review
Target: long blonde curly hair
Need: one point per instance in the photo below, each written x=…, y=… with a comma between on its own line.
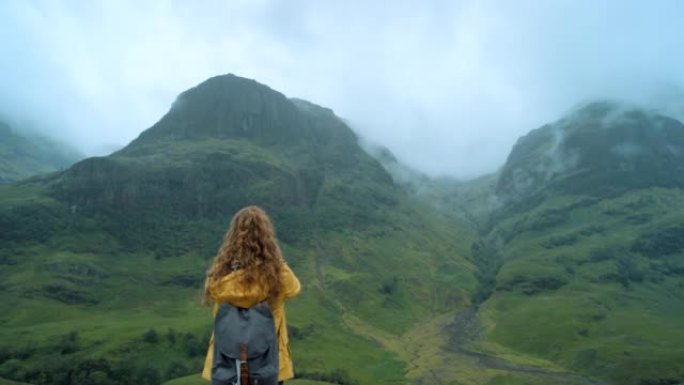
x=250, y=244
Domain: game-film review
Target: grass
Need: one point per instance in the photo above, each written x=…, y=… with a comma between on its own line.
x=601, y=321
x=198, y=380
x=377, y=328
x=360, y=321
x=112, y=297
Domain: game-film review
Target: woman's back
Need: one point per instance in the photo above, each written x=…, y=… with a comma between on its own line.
x=249, y=269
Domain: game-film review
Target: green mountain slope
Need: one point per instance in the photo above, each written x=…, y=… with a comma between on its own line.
x=103, y=263
x=24, y=156
x=589, y=247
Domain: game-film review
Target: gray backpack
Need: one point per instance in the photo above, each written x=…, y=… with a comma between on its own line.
x=245, y=346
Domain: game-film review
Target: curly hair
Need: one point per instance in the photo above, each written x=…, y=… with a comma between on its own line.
x=250, y=244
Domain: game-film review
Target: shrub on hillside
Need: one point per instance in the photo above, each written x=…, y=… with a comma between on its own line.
x=572, y=238
x=561, y=240
x=297, y=333
x=192, y=345
x=171, y=336
x=69, y=343
x=389, y=286
x=670, y=268
x=8, y=255
x=151, y=336
x=68, y=294
x=534, y=285
x=604, y=254
x=148, y=375
x=638, y=219
x=628, y=271
x=660, y=243
x=549, y=218
x=11, y=368
x=176, y=369
x=24, y=352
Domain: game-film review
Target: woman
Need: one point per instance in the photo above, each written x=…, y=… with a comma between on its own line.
x=249, y=268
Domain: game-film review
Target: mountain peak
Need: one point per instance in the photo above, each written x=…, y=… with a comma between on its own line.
x=228, y=139
x=599, y=148
x=228, y=106
x=608, y=114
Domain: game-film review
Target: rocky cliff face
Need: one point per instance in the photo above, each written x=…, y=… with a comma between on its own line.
x=227, y=143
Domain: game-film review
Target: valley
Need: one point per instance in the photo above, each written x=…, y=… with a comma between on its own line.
x=564, y=267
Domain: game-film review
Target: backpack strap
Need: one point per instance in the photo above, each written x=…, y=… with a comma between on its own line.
x=237, y=373
x=244, y=368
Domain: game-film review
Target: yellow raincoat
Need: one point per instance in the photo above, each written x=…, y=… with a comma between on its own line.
x=229, y=289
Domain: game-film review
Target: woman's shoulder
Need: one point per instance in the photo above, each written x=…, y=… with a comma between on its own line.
x=233, y=290
x=232, y=277
x=230, y=282
x=289, y=281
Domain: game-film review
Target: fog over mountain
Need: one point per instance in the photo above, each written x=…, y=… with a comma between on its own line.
x=447, y=86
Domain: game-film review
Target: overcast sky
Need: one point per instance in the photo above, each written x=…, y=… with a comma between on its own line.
x=448, y=86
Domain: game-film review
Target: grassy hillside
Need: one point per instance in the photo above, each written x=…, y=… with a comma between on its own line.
x=103, y=263
x=23, y=156
x=102, y=300
x=595, y=285
x=582, y=263
x=579, y=259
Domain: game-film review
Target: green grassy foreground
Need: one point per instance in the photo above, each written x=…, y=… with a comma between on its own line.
x=197, y=380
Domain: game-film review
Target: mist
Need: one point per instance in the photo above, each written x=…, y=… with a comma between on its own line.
x=447, y=86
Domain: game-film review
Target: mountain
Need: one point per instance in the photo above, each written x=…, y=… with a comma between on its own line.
x=23, y=156
x=602, y=149
x=114, y=249
x=582, y=260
